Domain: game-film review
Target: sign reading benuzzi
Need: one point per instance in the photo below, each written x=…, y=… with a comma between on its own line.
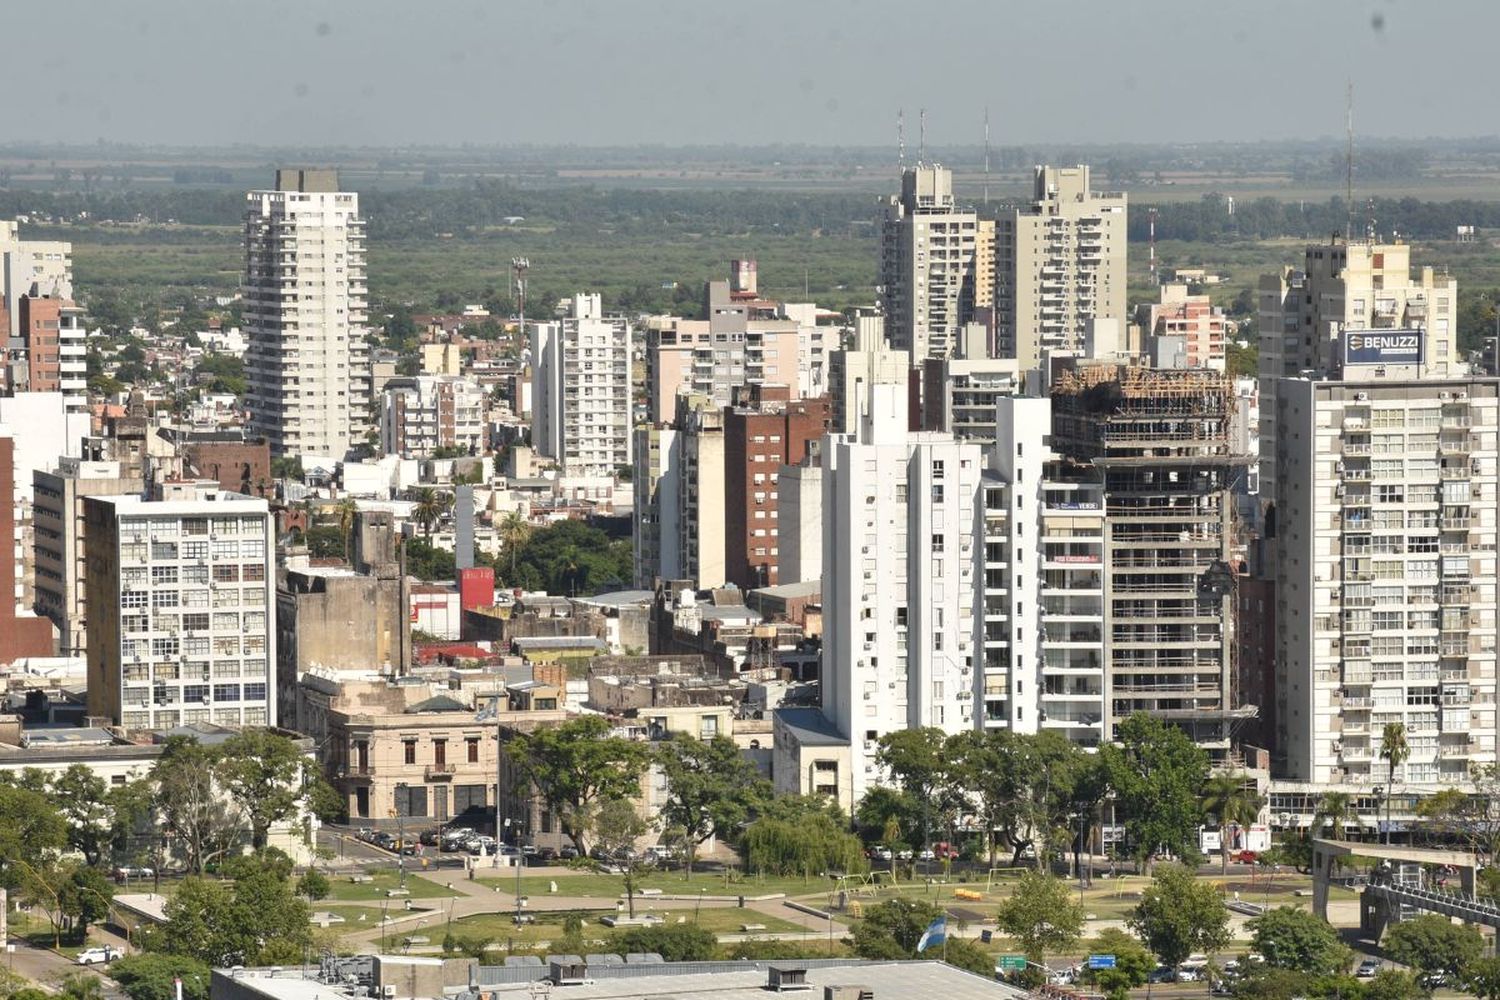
x=1383, y=347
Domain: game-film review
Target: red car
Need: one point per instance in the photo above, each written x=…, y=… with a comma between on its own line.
x=1245, y=857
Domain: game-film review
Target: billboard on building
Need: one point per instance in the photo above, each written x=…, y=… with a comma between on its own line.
x=1382, y=347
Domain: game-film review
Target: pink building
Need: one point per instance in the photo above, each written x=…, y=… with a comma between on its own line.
x=1192, y=318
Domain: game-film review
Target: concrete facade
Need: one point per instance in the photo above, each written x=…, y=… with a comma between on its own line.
x=421, y=414
x=927, y=264
x=1060, y=266
x=58, y=516
x=581, y=405
x=308, y=360
x=179, y=594
x=22, y=633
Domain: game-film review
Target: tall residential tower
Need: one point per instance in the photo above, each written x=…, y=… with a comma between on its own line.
x=308, y=359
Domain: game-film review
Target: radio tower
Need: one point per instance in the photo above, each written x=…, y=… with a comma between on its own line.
x=1151, y=221
x=518, y=268
x=986, y=155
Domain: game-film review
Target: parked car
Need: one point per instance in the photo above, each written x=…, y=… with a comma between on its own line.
x=927, y=855
x=1162, y=974
x=530, y=850
x=904, y=854
x=1245, y=857
x=880, y=852
x=1367, y=969
x=546, y=854
x=129, y=871
x=429, y=838
x=568, y=853
x=98, y=956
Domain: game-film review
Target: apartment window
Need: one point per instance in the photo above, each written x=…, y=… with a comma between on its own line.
x=937, y=543
x=471, y=749
x=937, y=469
x=226, y=692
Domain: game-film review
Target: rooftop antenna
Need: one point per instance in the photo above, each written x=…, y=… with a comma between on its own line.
x=986, y=154
x=922, y=149
x=901, y=137
x=1349, y=161
x=1151, y=217
x=518, y=268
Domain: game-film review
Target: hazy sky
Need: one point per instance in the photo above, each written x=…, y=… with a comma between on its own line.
x=596, y=72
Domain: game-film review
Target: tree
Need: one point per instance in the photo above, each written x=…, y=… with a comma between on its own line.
x=429, y=508
x=618, y=826
x=1289, y=938
x=1133, y=963
x=82, y=797
x=82, y=986
x=575, y=765
x=801, y=835
x=712, y=788
x=1232, y=800
x=916, y=760
x=1335, y=809
x=255, y=920
x=85, y=896
x=1157, y=774
x=1394, y=751
x=1272, y=984
x=1481, y=977
x=1179, y=915
x=1433, y=943
x=513, y=529
x=32, y=833
x=891, y=930
x=674, y=942
x=313, y=885
x=1042, y=915
x=262, y=772
x=1398, y=984
x=191, y=811
x=150, y=976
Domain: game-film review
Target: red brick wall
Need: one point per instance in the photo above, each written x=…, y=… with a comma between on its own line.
x=244, y=467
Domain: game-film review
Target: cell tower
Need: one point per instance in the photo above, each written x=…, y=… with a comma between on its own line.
x=901, y=138
x=1151, y=222
x=518, y=268
x=1349, y=162
x=986, y=155
x=922, y=148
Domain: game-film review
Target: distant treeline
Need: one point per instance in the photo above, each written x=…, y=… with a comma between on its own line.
x=484, y=205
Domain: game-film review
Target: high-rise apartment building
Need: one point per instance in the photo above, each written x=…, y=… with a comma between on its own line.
x=929, y=264
x=423, y=413
x=702, y=533
x=581, y=404
x=1182, y=330
x=1161, y=441
x=656, y=485
x=1306, y=317
x=180, y=597
x=863, y=362
x=308, y=356
x=58, y=529
x=43, y=267
x=767, y=429
x=742, y=339
x=22, y=633
x=52, y=344
x=960, y=393
x=1387, y=501
x=1060, y=271
x=905, y=638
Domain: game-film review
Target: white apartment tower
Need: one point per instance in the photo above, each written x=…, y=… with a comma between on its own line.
x=1388, y=506
x=1344, y=288
x=913, y=536
x=581, y=405
x=928, y=271
x=1060, y=271
x=308, y=356
x=180, y=599
x=863, y=362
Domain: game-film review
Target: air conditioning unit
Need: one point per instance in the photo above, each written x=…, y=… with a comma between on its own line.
x=1442, y=395
x=1361, y=397
x=1463, y=394
x=388, y=990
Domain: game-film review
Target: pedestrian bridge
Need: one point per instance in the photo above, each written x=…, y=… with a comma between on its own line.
x=1401, y=884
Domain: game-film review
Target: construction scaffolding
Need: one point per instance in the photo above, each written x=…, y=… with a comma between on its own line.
x=1163, y=444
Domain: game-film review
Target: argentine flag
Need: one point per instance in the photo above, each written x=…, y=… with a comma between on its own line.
x=935, y=933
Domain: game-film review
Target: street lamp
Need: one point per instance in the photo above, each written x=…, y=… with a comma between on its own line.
x=1382, y=836
x=401, y=808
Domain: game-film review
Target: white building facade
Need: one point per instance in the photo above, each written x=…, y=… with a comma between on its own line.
x=581, y=385
x=423, y=413
x=308, y=359
x=180, y=598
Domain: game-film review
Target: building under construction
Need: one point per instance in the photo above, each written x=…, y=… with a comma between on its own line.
x=1161, y=442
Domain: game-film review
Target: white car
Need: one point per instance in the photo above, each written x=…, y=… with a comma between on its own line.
x=97, y=956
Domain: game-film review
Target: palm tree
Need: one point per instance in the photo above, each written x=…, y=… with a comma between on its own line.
x=514, y=530
x=345, y=511
x=430, y=506
x=1234, y=802
x=1335, y=809
x=1395, y=751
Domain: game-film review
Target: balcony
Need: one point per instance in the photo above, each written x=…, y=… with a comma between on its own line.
x=439, y=771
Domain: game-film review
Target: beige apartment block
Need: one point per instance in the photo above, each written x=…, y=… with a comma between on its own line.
x=929, y=264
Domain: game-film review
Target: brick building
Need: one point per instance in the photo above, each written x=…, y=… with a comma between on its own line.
x=234, y=462
x=766, y=430
x=21, y=632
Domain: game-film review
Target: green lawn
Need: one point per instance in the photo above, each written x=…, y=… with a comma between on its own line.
x=718, y=919
x=342, y=890
x=613, y=886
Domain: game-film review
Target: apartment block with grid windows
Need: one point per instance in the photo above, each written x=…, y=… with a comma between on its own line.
x=180, y=599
